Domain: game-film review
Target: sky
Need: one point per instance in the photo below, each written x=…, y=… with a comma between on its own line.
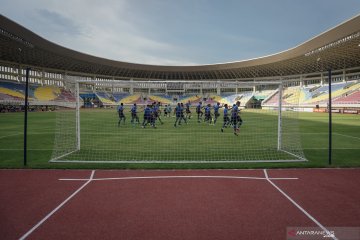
x=179, y=32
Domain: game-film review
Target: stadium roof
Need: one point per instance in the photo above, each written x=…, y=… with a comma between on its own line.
x=337, y=48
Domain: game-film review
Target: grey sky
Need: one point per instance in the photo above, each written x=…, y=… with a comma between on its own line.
x=179, y=32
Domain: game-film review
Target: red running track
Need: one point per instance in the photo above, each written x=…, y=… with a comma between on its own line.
x=189, y=204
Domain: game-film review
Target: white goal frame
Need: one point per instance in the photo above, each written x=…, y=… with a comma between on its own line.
x=280, y=84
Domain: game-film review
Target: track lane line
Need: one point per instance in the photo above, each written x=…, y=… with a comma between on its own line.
x=58, y=207
x=299, y=207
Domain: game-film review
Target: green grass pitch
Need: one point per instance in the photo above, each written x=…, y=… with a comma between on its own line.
x=166, y=141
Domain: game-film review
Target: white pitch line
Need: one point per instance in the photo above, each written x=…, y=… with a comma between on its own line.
x=21, y=133
x=58, y=207
x=21, y=149
x=349, y=136
x=15, y=134
x=299, y=207
x=325, y=148
x=172, y=177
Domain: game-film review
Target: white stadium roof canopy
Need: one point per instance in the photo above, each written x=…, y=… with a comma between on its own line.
x=338, y=48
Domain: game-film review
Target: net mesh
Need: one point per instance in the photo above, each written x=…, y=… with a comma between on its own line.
x=106, y=136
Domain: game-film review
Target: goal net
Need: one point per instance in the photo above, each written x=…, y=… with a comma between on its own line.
x=161, y=130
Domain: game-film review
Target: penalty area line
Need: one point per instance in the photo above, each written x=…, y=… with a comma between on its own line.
x=173, y=177
x=58, y=207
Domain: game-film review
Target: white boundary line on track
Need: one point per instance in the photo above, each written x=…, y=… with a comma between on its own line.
x=58, y=207
x=298, y=206
x=172, y=177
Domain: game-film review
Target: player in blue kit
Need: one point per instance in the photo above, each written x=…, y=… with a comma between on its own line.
x=226, y=117
x=169, y=109
x=178, y=113
x=120, y=111
x=216, y=111
x=147, y=116
x=134, y=115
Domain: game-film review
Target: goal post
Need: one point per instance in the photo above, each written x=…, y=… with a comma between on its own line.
x=279, y=116
x=77, y=96
x=96, y=133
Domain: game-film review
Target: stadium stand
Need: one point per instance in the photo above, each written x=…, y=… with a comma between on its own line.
x=105, y=98
x=15, y=90
x=131, y=99
x=37, y=94
x=162, y=98
x=47, y=93
x=66, y=95
x=352, y=98
x=192, y=98
x=313, y=95
x=242, y=97
x=343, y=93
x=321, y=94
x=118, y=97
x=261, y=95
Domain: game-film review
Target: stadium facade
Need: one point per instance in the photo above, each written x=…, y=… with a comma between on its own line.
x=337, y=49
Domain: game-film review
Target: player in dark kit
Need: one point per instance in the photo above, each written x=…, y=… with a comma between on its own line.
x=165, y=111
x=157, y=112
x=182, y=117
x=199, y=112
x=153, y=115
x=120, y=111
x=187, y=110
x=208, y=117
x=226, y=117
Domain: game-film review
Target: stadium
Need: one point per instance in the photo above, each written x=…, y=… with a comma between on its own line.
x=87, y=112
x=59, y=77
